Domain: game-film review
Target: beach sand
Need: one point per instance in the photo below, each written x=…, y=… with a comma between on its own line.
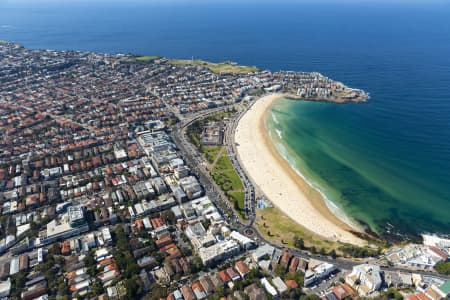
x=278, y=181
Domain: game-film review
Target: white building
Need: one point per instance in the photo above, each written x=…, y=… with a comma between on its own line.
x=245, y=242
x=268, y=287
x=365, y=278
x=280, y=285
x=5, y=288
x=264, y=250
x=106, y=235
x=218, y=252
x=318, y=273
x=70, y=224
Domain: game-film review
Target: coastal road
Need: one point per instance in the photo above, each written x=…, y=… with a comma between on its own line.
x=180, y=132
x=196, y=161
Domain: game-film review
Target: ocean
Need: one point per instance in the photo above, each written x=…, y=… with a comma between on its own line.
x=385, y=163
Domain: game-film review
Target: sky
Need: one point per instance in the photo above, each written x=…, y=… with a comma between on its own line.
x=426, y=2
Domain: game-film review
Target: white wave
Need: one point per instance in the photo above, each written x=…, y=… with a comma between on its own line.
x=274, y=118
x=333, y=207
x=281, y=149
x=280, y=135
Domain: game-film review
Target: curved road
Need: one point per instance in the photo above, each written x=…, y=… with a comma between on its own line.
x=214, y=192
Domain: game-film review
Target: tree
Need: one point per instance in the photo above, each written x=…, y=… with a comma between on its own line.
x=295, y=293
x=62, y=288
x=443, y=267
x=89, y=259
x=169, y=216
x=196, y=264
x=132, y=287
x=299, y=243
x=297, y=276
x=280, y=270
x=18, y=282
x=97, y=288
x=218, y=293
x=253, y=274
x=156, y=292
x=55, y=249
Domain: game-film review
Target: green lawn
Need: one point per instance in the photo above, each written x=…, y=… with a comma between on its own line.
x=146, y=58
x=223, y=67
x=225, y=176
x=274, y=225
x=211, y=152
x=238, y=197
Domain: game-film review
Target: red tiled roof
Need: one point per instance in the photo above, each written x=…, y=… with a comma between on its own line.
x=340, y=292
x=224, y=276
x=242, y=267
x=291, y=284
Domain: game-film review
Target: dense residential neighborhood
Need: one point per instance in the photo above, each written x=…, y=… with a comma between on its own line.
x=99, y=198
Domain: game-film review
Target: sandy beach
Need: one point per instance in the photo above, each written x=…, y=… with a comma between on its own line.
x=278, y=181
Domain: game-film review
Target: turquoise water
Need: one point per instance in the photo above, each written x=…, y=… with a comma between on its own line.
x=362, y=169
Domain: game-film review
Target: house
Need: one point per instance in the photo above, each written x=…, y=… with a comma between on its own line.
x=302, y=265
x=224, y=276
x=5, y=288
x=233, y=274
x=292, y=284
x=268, y=287
x=198, y=290
x=434, y=293
x=207, y=285
x=163, y=241
x=4, y=270
x=343, y=291
x=187, y=293
x=254, y=292
x=286, y=258
x=242, y=268
x=216, y=280
x=293, y=264
x=279, y=285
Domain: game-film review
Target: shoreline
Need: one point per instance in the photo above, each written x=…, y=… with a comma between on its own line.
x=272, y=173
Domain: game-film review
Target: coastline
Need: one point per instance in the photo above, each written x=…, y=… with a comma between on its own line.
x=282, y=185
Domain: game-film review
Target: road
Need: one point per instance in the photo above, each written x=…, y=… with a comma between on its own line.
x=195, y=160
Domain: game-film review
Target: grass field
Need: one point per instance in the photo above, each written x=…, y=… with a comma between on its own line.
x=239, y=198
x=225, y=176
x=274, y=225
x=146, y=58
x=211, y=152
x=223, y=67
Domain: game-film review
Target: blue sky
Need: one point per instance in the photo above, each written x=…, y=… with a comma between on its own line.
x=229, y=1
